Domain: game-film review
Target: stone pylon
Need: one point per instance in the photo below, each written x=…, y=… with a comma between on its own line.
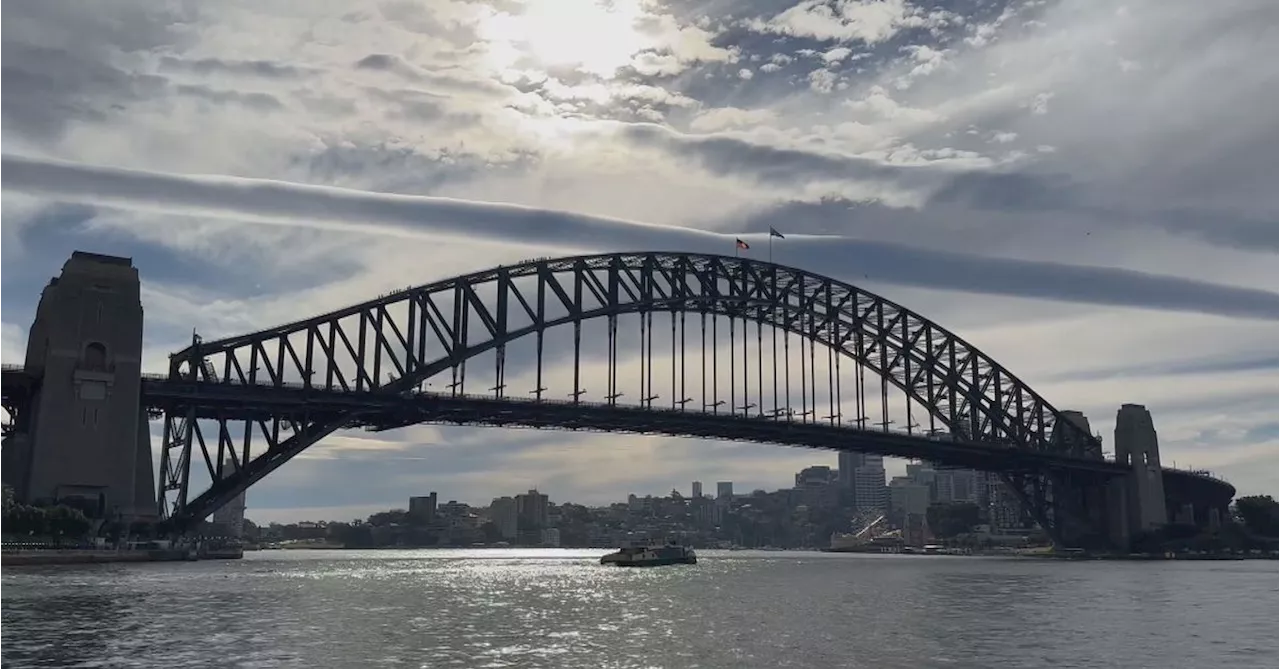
x=87, y=435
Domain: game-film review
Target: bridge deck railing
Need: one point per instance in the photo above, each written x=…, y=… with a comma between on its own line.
x=293, y=385
x=938, y=436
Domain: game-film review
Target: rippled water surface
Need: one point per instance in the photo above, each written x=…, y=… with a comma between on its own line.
x=560, y=609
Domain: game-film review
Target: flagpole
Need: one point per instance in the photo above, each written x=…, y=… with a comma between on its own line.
x=770, y=248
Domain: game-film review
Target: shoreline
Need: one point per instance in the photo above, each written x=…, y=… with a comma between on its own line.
x=78, y=556
x=1144, y=557
x=1067, y=555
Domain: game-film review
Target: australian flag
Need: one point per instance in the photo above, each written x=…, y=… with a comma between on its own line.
x=775, y=233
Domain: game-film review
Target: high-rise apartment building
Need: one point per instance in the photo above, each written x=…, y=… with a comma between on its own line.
x=532, y=510
x=908, y=508
x=869, y=491
x=906, y=497
x=503, y=513
x=953, y=486
x=423, y=508
x=847, y=463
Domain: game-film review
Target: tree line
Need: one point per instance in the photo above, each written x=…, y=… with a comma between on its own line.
x=61, y=522
x=1252, y=524
x=1259, y=514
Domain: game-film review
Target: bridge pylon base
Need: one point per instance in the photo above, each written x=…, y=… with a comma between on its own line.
x=1089, y=511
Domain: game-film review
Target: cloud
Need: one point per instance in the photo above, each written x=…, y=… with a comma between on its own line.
x=232, y=66
x=261, y=102
x=313, y=206
x=848, y=20
x=729, y=117
x=56, y=57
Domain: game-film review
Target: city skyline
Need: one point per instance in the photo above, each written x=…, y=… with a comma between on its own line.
x=1055, y=183
x=688, y=491
x=477, y=499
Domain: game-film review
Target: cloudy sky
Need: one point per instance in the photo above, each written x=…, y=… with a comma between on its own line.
x=1084, y=190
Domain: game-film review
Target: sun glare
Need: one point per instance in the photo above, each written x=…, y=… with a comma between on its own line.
x=595, y=36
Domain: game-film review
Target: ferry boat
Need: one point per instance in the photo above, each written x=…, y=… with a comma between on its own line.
x=651, y=555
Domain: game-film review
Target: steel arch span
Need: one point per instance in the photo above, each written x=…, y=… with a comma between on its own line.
x=391, y=348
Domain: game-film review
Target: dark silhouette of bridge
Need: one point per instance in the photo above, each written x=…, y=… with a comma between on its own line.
x=711, y=346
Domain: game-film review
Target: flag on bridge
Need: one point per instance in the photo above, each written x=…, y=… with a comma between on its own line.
x=775, y=233
x=742, y=245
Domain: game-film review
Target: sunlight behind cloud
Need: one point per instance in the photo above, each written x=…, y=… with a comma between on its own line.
x=593, y=36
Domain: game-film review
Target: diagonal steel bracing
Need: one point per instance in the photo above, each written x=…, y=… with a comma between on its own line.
x=422, y=338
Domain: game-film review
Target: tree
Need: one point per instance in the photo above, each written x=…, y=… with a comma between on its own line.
x=65, y=521
x=949, y=520
x=26, y=520
x=351, y=535
x=489, y=530
x=91, y=508
x=391, y=517
x=7, y=505
x=10, y=517
x=9, y=501
x=1259, y=514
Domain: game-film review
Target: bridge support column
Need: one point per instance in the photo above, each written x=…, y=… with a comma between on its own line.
x=87, y=436
x=1083, y=511
x=1117, y=510
x=1083, y=502
x=1138, y=447
x=16, y=459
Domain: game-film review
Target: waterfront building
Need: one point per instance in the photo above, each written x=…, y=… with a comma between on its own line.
x=423, y=508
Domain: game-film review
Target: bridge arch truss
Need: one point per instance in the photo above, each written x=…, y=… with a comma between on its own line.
x=237, y=408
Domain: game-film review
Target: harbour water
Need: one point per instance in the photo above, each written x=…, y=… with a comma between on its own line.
x=560, y=608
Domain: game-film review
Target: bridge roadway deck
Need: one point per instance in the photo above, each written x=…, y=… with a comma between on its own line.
x=378, y=411
x=381, y=411
x=16, y=379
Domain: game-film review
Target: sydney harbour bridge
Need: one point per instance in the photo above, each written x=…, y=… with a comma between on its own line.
x=678, y=344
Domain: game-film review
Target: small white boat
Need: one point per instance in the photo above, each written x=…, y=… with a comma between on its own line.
x=651, y=555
